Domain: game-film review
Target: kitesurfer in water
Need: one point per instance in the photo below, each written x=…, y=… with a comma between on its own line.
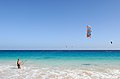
x=18, y=63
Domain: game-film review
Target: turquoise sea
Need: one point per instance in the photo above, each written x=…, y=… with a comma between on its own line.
x=60, y=64
x=63, y=56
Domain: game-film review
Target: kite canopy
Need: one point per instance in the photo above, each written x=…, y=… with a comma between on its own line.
x=111, y=42
x=88, y=31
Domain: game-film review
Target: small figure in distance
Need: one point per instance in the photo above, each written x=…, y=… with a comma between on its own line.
x=18, y=63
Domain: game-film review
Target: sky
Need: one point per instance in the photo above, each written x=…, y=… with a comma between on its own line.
x=59, y=24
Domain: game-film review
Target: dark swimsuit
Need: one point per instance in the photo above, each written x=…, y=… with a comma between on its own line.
x=18, y=65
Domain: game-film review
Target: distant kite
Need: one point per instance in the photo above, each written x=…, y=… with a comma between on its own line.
x=111, y=42
x=88, y=31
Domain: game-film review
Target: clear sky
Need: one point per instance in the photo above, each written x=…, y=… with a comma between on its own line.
x=55, y=24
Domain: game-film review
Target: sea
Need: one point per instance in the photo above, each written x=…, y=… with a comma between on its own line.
x=60, y=64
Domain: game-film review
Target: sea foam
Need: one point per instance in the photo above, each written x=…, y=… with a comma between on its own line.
x=38, y=72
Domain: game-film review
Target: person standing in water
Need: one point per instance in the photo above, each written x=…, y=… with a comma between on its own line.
x=18, y=63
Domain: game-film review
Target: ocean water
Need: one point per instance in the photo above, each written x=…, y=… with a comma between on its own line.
x=60, y=64
x=59, y=57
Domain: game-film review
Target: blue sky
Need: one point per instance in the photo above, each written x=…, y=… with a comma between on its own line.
x=55, y=24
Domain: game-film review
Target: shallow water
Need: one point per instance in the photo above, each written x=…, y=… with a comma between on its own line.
x=60, y=65
x=40, y=72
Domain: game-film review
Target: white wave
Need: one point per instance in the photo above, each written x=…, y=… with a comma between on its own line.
x=36, y=72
